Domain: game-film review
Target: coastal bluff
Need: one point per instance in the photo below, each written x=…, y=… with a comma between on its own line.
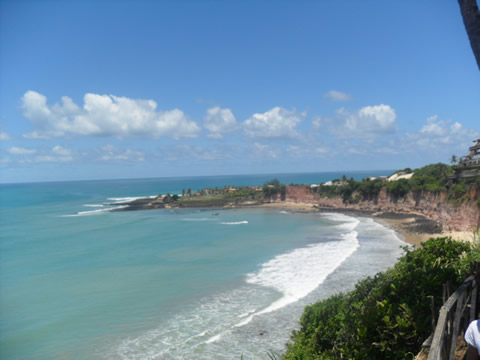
x=432, y=205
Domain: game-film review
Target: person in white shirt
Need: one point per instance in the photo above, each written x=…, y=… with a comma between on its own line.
x=472, y=337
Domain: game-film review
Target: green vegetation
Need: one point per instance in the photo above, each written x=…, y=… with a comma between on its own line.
x=433, y=177
x=352, y=191
x=398, y=189
x=430, y=178
x=387, y=316
x=273, y=188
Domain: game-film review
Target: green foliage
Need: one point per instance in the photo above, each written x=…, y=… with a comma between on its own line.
x=432, y=178
x=398, y=189
x=241, y=194
x=273, y=187
x=458, y=193
x=404, y=171
x=370, y=189
x=386, y=316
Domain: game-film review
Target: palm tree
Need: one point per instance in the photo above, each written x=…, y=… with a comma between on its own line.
x=471, y=20
x=453, y=159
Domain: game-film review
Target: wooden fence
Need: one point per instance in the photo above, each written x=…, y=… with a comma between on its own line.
x=454, y=317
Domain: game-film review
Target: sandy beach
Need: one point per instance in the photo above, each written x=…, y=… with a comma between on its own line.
x=413, y=228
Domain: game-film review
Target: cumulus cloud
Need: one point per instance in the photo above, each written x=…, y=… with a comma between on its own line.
x=219, y=121
x=4, y=136
x=265, y=151
x=435, y=128
x=56, y=154
x=52, y=159
x=337, y=96
x=367, y=123
x=318, y=122
x=440, y=135
x=277, y=122
x=111, y=153
x=14, y=150
x=59, y=150
x=185, y=151
x=104, y=115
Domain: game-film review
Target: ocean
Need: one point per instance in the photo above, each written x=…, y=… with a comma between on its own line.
x=80, y=282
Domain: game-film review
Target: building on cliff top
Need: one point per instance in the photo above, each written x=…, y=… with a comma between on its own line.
x=469, y=166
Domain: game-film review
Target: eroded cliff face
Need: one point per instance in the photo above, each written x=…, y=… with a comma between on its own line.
x=434, y=206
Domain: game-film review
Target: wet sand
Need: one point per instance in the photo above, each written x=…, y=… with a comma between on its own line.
x=412, y=228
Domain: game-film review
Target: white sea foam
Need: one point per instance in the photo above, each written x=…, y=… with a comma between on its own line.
x=235, y=222
x=213, y=339
x=346, y=223
x=198, y=219
x=208, y=327
x=205, y=324
x=96, y=212
x=131, y=198
x=300, y=271
x=93, y=205
x=284, y=212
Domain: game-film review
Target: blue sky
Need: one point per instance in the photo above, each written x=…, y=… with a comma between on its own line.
x=126, y=89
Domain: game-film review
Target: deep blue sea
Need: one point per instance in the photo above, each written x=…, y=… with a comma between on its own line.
x=80, y=282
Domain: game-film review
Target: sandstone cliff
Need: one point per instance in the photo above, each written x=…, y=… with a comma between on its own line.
x=434, y=206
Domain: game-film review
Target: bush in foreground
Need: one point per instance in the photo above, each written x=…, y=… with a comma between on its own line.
x=387, y=316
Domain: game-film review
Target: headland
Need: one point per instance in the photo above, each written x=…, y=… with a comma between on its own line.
x=417, y=204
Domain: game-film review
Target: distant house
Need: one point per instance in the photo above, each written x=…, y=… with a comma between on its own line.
x=230, y=190
x=313, y=186
x=328, y=183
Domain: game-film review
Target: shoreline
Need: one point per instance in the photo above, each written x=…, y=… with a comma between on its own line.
x=412, y=228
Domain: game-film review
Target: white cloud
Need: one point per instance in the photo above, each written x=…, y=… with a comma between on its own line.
x=104, y=115
x=111, y=153
x=55, y=154
x=440, y=135
x=337, y=96
x=433, y=128
x=277, y=122
x=317, y=123
x=37, y=135
x=265, y=151
x=219, y=121
x=367, y=123
x=58, y=150
x=4, y=136
x=53, y=158
x=14, y=150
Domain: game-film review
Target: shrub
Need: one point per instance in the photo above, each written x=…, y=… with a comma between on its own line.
x=386, y=316
x=398, y=189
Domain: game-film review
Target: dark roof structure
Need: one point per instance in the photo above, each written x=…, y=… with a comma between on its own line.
x=469, y=166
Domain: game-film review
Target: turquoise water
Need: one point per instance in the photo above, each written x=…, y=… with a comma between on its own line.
x=77, y=282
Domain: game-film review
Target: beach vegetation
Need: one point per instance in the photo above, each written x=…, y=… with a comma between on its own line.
x=386, y=316
x=433, y=178
x=273, y=187
x=398, y=189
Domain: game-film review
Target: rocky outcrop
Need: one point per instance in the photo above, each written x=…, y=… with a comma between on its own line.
x=434, y=206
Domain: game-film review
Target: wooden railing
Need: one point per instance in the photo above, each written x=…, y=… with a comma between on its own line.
x=454, y=317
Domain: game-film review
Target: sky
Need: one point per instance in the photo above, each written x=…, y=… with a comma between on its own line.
x=137, y=89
